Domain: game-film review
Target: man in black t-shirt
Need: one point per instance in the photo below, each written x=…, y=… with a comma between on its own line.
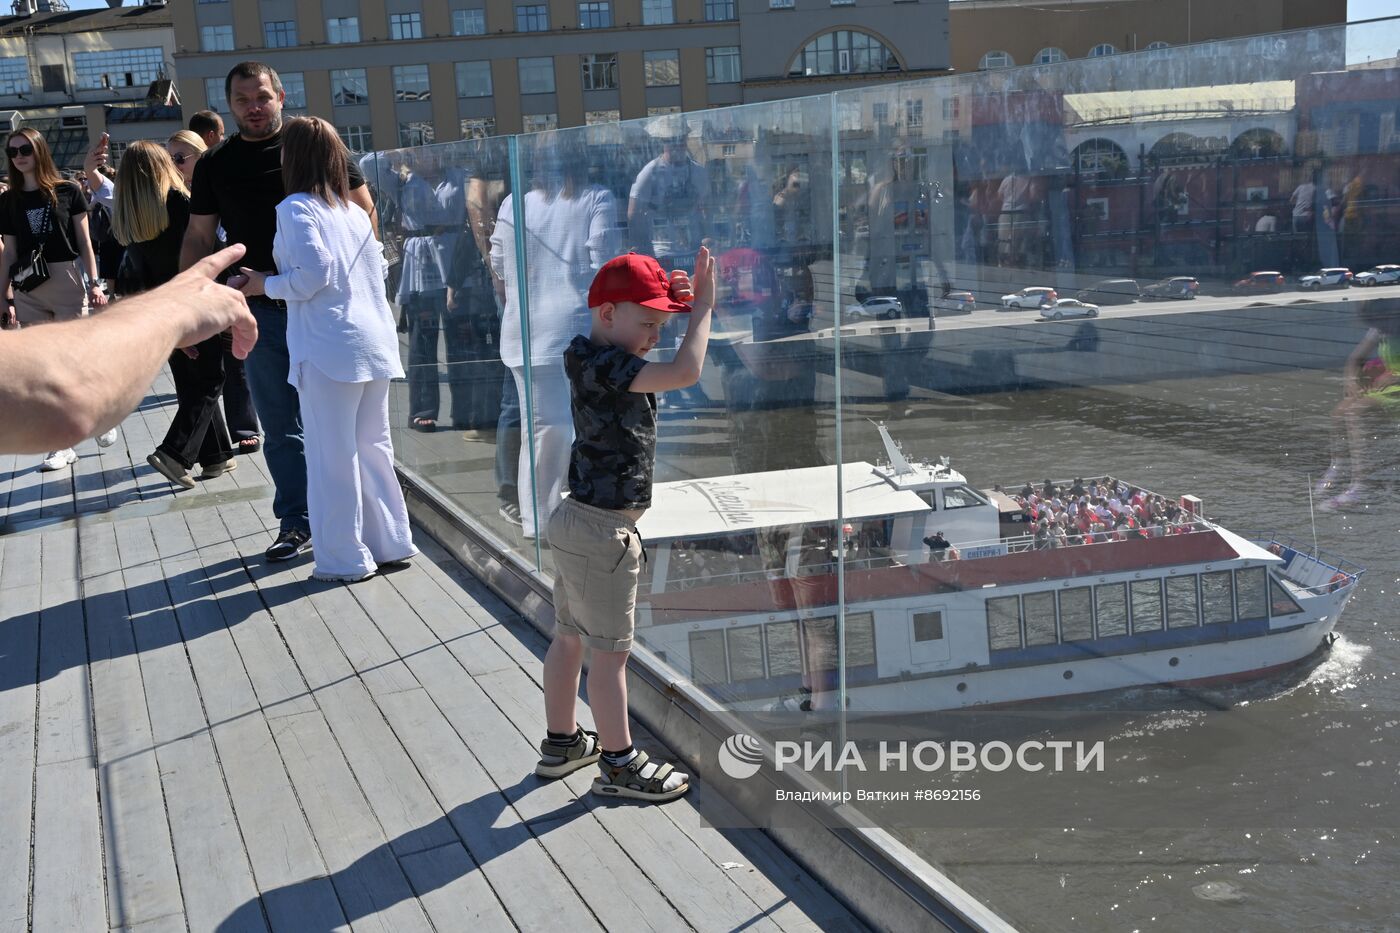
x=239, y=184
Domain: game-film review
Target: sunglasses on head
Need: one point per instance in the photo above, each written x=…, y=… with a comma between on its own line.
x=15, y=151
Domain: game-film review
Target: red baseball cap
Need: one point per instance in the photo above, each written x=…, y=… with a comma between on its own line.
x=637, y=278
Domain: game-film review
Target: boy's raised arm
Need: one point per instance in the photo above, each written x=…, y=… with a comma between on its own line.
x=684, y=370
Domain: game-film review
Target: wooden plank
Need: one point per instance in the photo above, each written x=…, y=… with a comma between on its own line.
x=19, y=663
x=22, y=560
x=435, y=619
x=65, y=729
x=453, y=891
x=367, y=877
x=67, y=848
x=26, y=489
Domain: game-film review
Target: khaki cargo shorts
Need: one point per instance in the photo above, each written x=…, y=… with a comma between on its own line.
x=597, y=560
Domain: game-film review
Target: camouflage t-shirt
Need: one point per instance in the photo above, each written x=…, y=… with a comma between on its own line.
x=614, y=448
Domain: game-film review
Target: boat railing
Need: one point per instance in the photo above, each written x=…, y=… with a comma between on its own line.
x=1337, y=570
x=1020, y=543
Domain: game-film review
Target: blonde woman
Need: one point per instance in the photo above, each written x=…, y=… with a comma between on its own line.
x=152, y=210
x=343, y=350
x=43, y=215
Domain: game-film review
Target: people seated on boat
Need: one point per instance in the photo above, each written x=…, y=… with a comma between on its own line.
x=1027, y=491
x=1048, y=490
x=1042, y=535
x=938, y=545
x=1077, y=490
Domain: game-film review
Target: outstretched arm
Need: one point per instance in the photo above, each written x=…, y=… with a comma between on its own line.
x=68, y=381
x=684, y=370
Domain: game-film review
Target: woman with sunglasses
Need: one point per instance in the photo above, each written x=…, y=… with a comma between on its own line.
x=152, y=212
x=42, y=215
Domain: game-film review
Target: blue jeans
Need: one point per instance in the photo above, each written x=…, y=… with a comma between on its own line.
x=508, y=440
x=279, y=410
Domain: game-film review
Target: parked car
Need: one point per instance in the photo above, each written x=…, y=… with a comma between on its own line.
x=1111, y=292
x=1260, y=282
x=1380, y=275
x=1033, y=297
x=1070, y=307
x=1178, y=286
x=955, y=302
x=1326, y=278
x=886, y=307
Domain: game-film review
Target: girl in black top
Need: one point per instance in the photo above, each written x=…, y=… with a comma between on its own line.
x=43, y=212
x=152, y=210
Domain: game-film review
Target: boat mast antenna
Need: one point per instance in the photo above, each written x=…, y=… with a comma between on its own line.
x=1312, y=516
x=898, y=463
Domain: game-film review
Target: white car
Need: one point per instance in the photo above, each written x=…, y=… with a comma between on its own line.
x=1070, y=307
x=1380, y=275
x=1034, y=297
x=1326, y=278
x=877, y=306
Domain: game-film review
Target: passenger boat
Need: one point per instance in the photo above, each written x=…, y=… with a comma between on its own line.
x=741, y=588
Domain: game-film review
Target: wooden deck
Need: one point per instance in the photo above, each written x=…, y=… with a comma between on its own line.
x=193, y=739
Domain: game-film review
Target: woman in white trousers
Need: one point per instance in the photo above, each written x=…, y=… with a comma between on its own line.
x=343, y=351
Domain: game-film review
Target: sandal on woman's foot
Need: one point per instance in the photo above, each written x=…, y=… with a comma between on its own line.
x=249, y=445
x=641, y=779
x=426, y=425
x=557, y=760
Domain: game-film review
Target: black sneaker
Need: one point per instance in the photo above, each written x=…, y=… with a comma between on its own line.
x=510, y=512
x=289, y=544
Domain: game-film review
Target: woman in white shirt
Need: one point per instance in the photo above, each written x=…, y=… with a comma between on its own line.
x=343, y=350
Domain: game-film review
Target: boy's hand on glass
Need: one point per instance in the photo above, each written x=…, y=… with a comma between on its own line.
x=703, y=285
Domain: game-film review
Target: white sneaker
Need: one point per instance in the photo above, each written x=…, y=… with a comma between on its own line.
x=107, y=438
x=58, y=459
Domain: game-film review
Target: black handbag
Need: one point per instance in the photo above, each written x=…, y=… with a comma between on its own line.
x=27, y=276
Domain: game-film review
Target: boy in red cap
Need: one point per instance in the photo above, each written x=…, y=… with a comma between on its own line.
x=593, y=533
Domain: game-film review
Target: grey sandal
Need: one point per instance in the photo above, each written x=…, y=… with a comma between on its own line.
x=559, y=760
x=628, y=781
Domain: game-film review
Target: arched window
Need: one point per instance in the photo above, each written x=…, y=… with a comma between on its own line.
x=996, y=59
x=1154, y=46
x=843, y=51
x=1258, y=143
x=1100, y=157
x=1102, y=49
x=1049, y=56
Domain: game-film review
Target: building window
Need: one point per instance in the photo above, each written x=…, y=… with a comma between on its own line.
x=722, y=65
x=14, y=76
x=537, y=75
x=781, y=4
x=215, y=96
x=600, y=72
x=533, y=17
x=280, y=34
x=340, y=29
x=596, y=14
x=411, y=82
x=914, y=119
x=357, y=137
x=843, y=2
x=539, y=122
x=662, y=68
x=473, y=79
x=469, y=22
x=1050, y=55
x=416, y=133
x=952, y=108
x=1102, y=49
x=478, y=127
x=405, y=25
x=658, y=12
x=216, y=38
x=116, y=68
x=843, y=51
x=1154, y=46
x=294, y=86
x=662, y=111
x=594, y=117
x=996, y=59
x=349, y=86
x=719, y=10
x=880, y=113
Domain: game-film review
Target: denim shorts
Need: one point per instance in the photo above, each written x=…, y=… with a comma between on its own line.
x=597, y=560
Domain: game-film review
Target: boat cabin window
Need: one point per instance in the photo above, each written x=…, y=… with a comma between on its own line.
x=821, y=645
x=782, y=648
x=707, y=662
x=1217, y=597
x=928, y=626
x=930, y=496
x=755, y=652
x=718, y=560
x=1111, y=608
x=860, y=639
x=1183, y=607
x=962, y=497
x=1039, y=611
x=745, y=652
x=1251, y=599
x=1004, y=622
x=1282, y=602
x=1077, y=614
x=1147, y=605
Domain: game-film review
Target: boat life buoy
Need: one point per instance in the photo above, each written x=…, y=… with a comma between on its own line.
x=1338, y=581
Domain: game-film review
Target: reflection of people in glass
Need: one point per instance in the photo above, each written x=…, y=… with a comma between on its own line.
x=666, y=208
x=1372, y=386
x=570, y=231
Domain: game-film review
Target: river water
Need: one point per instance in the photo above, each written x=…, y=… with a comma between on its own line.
x=1247, y=446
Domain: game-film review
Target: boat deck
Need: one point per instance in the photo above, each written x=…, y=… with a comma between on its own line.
x=192, y=739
